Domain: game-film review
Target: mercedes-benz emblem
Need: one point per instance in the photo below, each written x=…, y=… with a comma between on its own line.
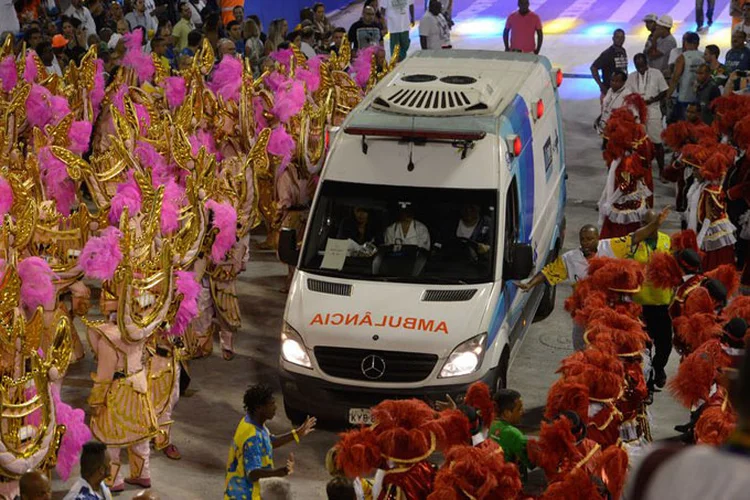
x=373, y=367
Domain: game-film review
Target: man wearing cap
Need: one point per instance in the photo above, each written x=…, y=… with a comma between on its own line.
x=663, y=43
x=78, y=11
x=650, y=21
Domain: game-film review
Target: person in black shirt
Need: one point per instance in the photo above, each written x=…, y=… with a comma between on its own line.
x=615, y=57
x=705, y=92
x=337, y=39
x=365, y=32
x=360, y=228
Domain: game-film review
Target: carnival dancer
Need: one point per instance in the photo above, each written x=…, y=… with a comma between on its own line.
x=626, y=194
x=707, y=214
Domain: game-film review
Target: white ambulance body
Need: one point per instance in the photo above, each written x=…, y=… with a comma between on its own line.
x=442, y=187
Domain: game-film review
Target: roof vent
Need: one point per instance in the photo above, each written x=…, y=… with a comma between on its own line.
x=429, y=95
x=418, y=78
x=458, y=80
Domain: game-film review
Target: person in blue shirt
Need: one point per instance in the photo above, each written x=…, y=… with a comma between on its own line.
x=251, y=453
x=738, y=57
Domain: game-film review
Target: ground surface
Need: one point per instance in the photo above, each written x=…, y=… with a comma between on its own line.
x=206, y=419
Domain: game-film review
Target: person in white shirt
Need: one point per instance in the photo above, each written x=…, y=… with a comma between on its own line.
x=744, y=26
x=613, y=99
x=399, y=18
x=651, y=85
x=434, y=31
x=407, y=231
x=139, y=17
x=95, y=465
x=78, y=11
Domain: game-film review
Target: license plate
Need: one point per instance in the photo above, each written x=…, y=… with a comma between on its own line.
x=360, y=416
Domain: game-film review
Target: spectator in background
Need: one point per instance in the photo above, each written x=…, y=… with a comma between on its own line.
x=705, y=92
x=738, y=57
x=337, y=40
x=650, y=84
x=32, y=37
x=277, y=32
x=699, y=13
x=341, y=488
x=139, y=17
x=520, y=28
x=35, y=485
x=123, y=27
x=744, y=26
x=399, y=18
x=253, y=46
x=685, y=70
x=183, y=27
x=615, y=57
x=255, y=18
x=701, y=471
x=78, y=11
x=195, y=38
x=305, y=14
x=308, y=41
x=212, y=29
x=718, y=70
x=663, y=43
x=375, y=4
x=196, y=7
x=8, y=18
x=159, y=47
x=98, y=13
x=365, y=32
x=321, y=24
x=114, y=15
x=94, y=470
x=650, y=21
x=239, y=14
x=275, y=488
x=164, y=31
x=234, y=33
x=73, y=32
x=225, y=47
x=434, y=32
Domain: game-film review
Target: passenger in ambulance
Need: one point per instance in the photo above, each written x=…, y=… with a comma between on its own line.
x=407, y=230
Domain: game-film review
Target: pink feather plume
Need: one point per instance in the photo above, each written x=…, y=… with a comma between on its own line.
x=281, y=144
x=97, y=93
x=190, y=290
x=289, y=101
x=174, y=197
x=39, y=106
x=135, y=57
x=225, y=219
x=227, y=78
x=57, y=184
x=77, y=433
x=151, y=159
x=283, y=56
x=275, y=80
x=203, y=138
x=80, y=136
x=8, y=73
x=258, y=108
x=128, y=195
x=30, y=71
x=310, y=78
x=37, y=288
x=362, y=65
x=315, y=62
x=6, y=197
x=101, y=255
x=175, y=90
x=118, y=98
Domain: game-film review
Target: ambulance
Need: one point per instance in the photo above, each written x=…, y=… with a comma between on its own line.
x=440, y=190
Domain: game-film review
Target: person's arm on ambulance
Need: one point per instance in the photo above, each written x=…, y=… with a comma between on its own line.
x=553, y=273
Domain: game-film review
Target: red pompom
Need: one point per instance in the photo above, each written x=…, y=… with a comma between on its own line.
x=715, y=425
x=565, y=395
x=576, y=485
x=693, y=380
x=728, y=276
x=478, y=397
x=663, y=271
x=612, y=466
x=684, y=240
x=358, y=453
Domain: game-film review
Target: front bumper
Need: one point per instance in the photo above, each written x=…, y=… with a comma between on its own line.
x=331, y=402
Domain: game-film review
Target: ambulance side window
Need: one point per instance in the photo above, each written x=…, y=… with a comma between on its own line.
x=510, y=235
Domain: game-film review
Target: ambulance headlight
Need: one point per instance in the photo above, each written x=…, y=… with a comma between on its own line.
x=466, y=358
x=292, y=348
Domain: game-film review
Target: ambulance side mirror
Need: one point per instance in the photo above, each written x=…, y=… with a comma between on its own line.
x=288, y=252
x=519, y=263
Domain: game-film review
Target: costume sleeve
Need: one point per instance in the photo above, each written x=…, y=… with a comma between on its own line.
x=661, y=82
x=252, y=454
x=555, y=272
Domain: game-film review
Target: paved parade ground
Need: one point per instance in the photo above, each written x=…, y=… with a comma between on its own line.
x=575, y=32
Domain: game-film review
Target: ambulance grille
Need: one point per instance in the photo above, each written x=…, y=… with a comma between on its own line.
x=448, y=295
x=392, y=366
x=329, y=288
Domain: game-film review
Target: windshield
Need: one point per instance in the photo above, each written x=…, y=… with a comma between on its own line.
x=405, y=234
